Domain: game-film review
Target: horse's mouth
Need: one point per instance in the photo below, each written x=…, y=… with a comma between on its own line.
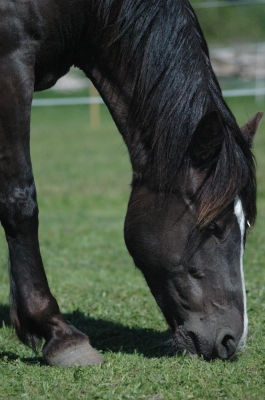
x=184, y=341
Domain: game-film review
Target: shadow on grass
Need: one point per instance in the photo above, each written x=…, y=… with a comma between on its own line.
x=105, y=336
x=10, y=356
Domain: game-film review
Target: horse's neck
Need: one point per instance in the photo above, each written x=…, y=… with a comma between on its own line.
x=119, y=102
x=146, y=91
x=115, y=97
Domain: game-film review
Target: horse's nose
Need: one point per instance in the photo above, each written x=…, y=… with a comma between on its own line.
x=223, y=346
x=226, y=346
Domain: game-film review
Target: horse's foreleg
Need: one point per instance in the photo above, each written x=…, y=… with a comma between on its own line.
x=34, y=311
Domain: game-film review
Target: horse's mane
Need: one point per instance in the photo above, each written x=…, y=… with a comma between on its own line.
x=158, y=46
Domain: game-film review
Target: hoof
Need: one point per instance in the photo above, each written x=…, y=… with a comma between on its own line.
x=79, y=354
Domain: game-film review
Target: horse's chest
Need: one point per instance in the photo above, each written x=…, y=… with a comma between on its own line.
x=46, y=75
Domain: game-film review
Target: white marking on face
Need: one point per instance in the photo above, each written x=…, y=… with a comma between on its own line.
x=239, y=213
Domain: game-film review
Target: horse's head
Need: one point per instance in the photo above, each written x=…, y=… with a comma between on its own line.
x=195, y=273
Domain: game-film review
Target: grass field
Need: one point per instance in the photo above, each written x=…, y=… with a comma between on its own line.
x=82, y=179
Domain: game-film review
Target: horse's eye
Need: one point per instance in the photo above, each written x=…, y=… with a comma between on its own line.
x=195, y=272
x=213, y=229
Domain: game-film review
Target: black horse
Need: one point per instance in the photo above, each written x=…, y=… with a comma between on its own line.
x=193, y=185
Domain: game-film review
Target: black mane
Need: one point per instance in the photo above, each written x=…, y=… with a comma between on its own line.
x=158, y=47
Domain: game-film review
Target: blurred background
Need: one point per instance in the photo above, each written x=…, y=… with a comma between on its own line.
x=235, y=32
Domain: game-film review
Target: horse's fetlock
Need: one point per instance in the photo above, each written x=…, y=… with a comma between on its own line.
x=41, y=307
x=37, y=317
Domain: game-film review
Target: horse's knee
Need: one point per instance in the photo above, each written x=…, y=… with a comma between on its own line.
x=23, y=202
x=19, y=210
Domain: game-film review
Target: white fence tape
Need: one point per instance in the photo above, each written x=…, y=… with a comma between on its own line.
x=66, y=101
x=243, y=92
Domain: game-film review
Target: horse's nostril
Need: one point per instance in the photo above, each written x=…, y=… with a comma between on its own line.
x=224, y=346
x=227, y=347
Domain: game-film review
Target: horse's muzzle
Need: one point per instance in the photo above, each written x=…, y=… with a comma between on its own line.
x=223, y=346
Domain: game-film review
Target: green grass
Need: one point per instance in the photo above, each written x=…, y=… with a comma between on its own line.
x=82, y=179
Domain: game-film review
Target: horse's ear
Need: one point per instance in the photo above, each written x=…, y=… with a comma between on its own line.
x=207, y=140
x=250, y=128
